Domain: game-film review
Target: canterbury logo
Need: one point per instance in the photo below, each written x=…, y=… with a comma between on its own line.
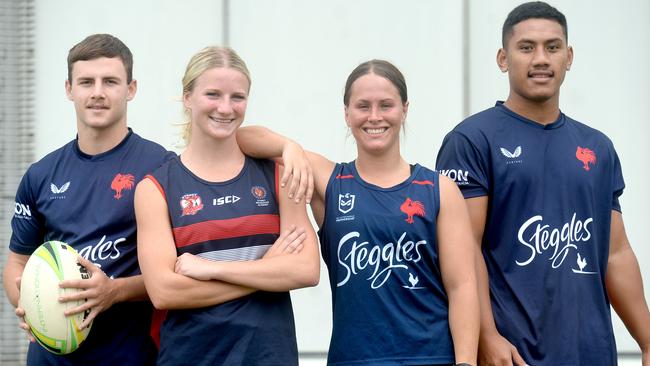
x=511, y=155
x=57, y=190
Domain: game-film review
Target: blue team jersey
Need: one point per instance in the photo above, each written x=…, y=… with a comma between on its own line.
x=380, y=247
x=235, y=220
x=551, y=191
x=87, y=202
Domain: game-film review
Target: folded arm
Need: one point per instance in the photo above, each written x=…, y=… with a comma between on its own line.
x=279, y=272
x=157, y=256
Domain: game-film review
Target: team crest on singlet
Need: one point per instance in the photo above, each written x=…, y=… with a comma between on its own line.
x=346, y=204
x=191, y=204
x=586, y=156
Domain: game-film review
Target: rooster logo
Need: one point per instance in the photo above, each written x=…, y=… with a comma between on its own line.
x=586, y=156
x=412, y=208
x=582, y=263
x=191, y=204
x=121, y=182
x=413, y=280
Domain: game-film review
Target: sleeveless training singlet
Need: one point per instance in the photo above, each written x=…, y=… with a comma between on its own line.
x=380, y=247
x=234, y=220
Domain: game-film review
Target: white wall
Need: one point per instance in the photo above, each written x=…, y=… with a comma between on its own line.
x=300, y=52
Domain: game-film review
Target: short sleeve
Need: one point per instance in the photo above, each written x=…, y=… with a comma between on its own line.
x=27, y=223
x=460, y=160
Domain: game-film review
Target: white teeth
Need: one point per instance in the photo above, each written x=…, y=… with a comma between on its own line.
x=375, y=131
x=218, y=120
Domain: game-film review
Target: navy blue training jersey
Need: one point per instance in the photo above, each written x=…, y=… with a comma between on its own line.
x=551, y=191
x=234, y=220
x=380, y=247
x=87, y=202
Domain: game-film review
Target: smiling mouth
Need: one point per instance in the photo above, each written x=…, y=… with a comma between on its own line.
x=222, y=120
x=97, y=107
x=375, y=130
x=541, y=75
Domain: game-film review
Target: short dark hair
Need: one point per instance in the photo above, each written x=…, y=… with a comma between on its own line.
x=101, y=45
x=532, y=10
x=381, y=68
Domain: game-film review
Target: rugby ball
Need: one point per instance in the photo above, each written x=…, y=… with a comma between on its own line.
x=51, y=263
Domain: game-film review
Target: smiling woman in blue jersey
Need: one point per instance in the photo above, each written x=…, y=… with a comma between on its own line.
x=209, y=225
x=396, y=237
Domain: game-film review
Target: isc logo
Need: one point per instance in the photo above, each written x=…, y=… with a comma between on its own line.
x=224, y=200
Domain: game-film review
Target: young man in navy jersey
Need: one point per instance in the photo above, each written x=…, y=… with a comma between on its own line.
x=542, y=191
x=82, y=194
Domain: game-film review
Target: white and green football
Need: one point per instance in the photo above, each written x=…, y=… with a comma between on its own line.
x=51, y=263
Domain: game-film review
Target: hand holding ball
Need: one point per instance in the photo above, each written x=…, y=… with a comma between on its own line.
x=50, y=264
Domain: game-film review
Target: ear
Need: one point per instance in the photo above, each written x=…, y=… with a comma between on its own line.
x=502, y=60
x=569, y=58
x=68, y=89
x=405, y=110
x=347, y=119
x=133, y=87
x=186, y=100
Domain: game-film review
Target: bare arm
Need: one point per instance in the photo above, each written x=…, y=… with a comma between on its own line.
x=277, y=273
x=13, y=270
x=494, y=349
x=263, y=143
x=457, y=253
x=157, y=256
x=625, y=287
x=11, y=275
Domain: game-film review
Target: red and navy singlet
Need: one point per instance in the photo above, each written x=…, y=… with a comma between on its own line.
x=235, y=220
x=380, y=247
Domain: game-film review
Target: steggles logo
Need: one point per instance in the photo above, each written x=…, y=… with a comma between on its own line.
x=539, y=238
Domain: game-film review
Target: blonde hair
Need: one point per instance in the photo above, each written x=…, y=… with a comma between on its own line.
x=208, y=58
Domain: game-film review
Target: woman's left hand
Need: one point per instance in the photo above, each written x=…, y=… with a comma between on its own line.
x=297, y=172
x=195, y=267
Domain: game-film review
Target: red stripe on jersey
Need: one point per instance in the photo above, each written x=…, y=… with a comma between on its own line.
x=344, y=176
x=225, y=229
x=155, y=182
x=157, y=318
x=423, y=182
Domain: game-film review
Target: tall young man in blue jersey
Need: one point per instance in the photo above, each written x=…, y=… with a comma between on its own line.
x=82, y=194
x=542, y=191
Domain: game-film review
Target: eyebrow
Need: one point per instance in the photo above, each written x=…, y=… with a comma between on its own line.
x=528, y=40
x=107, y=77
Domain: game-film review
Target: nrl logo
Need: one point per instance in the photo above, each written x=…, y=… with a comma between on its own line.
x=346, y=202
